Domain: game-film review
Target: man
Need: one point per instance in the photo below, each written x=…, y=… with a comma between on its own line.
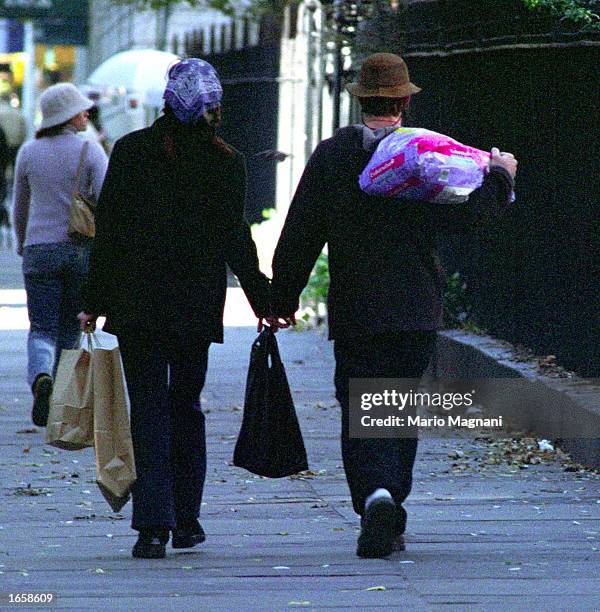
x=385, y=296
x=14, y=126
x=5, y=226
x=13, y=132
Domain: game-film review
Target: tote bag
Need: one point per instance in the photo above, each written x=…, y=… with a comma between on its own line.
x=270, y=441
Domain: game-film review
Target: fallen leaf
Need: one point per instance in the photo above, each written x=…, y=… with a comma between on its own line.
x=376, y=588
x=99, y=570
x=31, y=491
x=304, y=474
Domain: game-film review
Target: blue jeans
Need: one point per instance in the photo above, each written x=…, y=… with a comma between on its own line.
x=54, y=275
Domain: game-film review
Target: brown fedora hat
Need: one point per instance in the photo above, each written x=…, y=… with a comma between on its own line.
x=383, y=75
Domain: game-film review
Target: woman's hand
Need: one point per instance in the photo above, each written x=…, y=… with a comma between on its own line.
x=87, y=322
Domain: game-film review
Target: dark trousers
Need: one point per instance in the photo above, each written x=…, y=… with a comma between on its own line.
x=379, y=462
x=164, y=381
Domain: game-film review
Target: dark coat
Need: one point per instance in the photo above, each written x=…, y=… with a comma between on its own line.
x=165, y=230
x=384, y=269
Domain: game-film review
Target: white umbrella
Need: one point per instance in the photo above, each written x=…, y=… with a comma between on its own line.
x=142, y=71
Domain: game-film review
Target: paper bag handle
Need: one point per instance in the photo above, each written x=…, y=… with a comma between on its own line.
x=92, y=339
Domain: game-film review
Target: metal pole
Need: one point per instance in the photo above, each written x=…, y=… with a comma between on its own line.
x=81, y=65
x=321, y=73
x=163, y=16
x=310, y=81
x=29, y=80
x=337, y=62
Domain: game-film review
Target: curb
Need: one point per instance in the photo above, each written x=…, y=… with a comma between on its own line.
x=554, y=404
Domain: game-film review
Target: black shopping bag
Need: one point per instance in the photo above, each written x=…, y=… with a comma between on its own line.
x=270, y=441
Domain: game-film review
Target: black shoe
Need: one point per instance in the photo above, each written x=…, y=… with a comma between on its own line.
x=42, y=390
x=399, y=525
x=151, y=544
x=399, y=544
x=400, y=519
x=188, y=535
x=377, y=536
x=399, y=529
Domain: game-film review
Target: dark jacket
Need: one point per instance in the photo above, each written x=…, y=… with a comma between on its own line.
x=384, y=269
x=166, y=227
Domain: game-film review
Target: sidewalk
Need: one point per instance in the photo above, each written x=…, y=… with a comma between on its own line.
x=483, y=534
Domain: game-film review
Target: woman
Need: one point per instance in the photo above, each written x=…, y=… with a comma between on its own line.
x=170, y=217
x=54, y=266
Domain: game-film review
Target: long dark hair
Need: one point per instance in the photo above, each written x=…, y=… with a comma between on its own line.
x=180, y=138
x=53, y=130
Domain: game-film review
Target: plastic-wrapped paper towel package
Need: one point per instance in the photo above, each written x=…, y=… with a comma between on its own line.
x=418, y=164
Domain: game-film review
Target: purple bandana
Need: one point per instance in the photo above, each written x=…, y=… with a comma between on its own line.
x=193, y=88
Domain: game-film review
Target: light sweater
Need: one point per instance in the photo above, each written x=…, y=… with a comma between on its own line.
x=45, y=182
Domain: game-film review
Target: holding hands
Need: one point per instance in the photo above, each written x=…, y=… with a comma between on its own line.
x=276, y=323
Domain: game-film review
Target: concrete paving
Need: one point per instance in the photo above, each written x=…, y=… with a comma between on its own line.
x=484, y=533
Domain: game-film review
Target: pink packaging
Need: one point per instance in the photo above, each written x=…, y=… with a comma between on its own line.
x=418, y=164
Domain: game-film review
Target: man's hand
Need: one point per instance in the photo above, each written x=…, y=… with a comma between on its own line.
x=87, y=322
x=276, y=323
x=504, y=160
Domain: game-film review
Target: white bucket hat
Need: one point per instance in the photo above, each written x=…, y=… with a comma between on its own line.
x=62, y=102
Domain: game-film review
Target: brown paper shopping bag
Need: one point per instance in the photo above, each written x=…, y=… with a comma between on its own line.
x=71, y=421
x=115, y=465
